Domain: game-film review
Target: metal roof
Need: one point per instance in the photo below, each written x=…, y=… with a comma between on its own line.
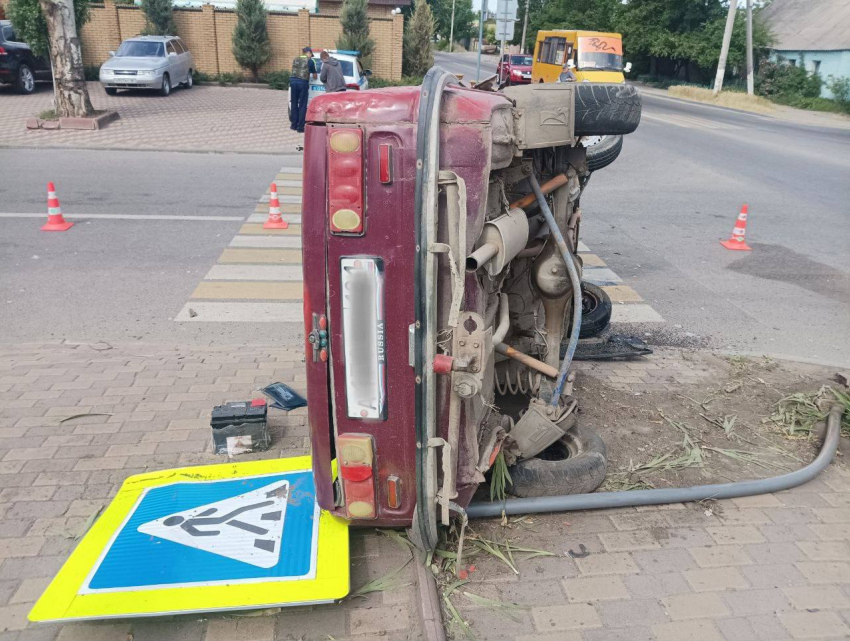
x=808, y=25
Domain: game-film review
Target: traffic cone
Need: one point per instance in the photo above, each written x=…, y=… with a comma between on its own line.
x=275, y=221
x=736, y=240
x=55, y=221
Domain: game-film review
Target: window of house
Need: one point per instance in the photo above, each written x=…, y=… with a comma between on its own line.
x=816, y=66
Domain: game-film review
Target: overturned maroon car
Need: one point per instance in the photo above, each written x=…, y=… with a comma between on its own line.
x=443, y=296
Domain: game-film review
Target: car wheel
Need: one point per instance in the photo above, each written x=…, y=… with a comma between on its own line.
x=166, y=86
x=575, y=464
x=604, y=109
x=604, y=152
x=25, y=80
x=595, y=310
x=110, y=91
x=190, y=81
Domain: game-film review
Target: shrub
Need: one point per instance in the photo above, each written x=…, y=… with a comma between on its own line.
x=279, y=80
x=159, y=18
x=406, y=81
x=229, y=78
x=782, y=80
x=840, y=88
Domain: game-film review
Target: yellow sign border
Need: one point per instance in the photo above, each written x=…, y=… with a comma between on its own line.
x=62, y=601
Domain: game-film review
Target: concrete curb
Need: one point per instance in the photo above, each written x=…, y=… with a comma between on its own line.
x=429, y=604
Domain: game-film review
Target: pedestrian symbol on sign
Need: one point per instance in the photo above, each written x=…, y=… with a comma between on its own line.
x=246, y=528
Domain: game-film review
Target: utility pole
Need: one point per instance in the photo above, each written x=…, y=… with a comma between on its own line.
x=452, y=30
x=750, y=79
x=724, y=50
x=524, y=26
x=480, y=39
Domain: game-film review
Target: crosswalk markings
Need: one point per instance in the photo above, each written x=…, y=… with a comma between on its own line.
x=283, y=273
x=592, y=260
x=635, y=314
x=292, y=219
x=260, y=256
x=258, y=277
x=628, y=306
x=601, y=276
x=285, y=208
x=249, y=290
x=288, y=242
x=242, y=312
x=622, y=294
x=257, y=229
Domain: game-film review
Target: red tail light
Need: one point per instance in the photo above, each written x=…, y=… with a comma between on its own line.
x=356, y=457
x=3, y=52
x=345, y=180
x=353, y=85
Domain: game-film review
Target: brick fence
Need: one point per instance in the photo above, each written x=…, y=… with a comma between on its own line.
x=208, y=34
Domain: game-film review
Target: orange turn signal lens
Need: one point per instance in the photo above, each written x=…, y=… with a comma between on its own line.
x=345, y=142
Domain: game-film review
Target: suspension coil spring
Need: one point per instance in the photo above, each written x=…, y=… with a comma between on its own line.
x=512, y=380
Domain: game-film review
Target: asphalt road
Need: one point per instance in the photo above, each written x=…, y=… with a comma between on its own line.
x=466, y=63
x=655, y=216
x=119, y=278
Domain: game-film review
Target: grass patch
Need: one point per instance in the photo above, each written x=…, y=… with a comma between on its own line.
x=48, y=114
x=732, y=99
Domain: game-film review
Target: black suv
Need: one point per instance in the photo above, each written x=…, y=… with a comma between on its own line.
x=18, y=66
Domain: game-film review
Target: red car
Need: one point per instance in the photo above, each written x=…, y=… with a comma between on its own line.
x=440, y=308
x=515, y=69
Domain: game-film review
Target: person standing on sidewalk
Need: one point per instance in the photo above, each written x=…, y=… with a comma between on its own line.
x=331, y=73
x=303, y=68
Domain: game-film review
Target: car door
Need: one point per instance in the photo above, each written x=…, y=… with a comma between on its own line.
x=39, y=66
x=174, y=66
x=185, y=57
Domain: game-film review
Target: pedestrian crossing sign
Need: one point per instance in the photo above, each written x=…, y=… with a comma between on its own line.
x=218, y=537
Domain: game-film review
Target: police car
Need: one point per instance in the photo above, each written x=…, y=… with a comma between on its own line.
x=356, y=78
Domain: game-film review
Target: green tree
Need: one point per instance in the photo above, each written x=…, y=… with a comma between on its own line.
x=251, y=46
x=31, y=27
x=52, y=27
x=464, y=17
x=159, y=18
x=355, y=30
x=418, y=57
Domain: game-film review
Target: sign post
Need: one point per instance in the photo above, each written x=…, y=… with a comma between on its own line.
x=505, y=18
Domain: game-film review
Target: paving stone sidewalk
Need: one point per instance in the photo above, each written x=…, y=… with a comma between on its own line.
x=764, y=568
x=54, y=476
x=204, y=118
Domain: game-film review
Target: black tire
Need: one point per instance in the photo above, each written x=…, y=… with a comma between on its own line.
x=595, y=310
x=166, y=86
x=24, y=80
x=111, y=91
x=603, y=154
x=604, y=109
x=190, y=81
x=576, y=464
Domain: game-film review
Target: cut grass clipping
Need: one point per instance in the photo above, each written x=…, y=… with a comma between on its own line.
x=390, y=581
x=500, y=478
x=797, y=414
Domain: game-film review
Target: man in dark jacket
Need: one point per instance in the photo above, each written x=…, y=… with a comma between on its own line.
x=303, y=68
x=331, y=73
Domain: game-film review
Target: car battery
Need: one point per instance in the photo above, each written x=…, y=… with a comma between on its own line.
x=240, y=427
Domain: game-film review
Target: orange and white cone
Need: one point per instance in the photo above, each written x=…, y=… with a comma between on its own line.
x=55, y=220
x=275, y=220
x=736, y=240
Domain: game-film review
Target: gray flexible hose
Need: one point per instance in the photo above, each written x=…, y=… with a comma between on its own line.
x=576, y=281
x=572, y=502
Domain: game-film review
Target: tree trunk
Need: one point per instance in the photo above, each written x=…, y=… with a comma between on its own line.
x=66, y=54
